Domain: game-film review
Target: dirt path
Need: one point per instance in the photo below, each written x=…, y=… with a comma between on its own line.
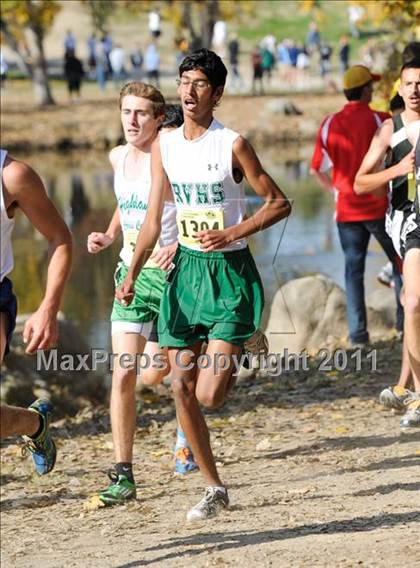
x=319, y=475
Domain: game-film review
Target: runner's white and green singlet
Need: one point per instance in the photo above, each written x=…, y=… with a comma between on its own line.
x=132, y=197
x=205, y=193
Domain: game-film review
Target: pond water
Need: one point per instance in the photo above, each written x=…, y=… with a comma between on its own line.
x=81, y=185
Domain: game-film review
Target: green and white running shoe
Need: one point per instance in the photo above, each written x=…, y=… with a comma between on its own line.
x=42, y=448
x=411, y=418
x=119, y=491
x=214, y=500
x=395, y=397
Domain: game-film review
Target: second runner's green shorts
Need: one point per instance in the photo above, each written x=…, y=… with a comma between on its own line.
x=214, y=295
x=148, y=290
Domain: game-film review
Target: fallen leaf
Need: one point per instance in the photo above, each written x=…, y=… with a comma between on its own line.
x=341, y=430
x=93, y=503
x=263, y=445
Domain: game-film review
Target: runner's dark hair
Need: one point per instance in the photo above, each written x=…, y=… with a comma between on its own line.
x=209, y=63
x=413, y=64
x=173, y=116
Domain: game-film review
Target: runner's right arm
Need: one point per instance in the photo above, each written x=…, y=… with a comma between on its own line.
x=368, y=178
x=98, y=242
x=151, y=228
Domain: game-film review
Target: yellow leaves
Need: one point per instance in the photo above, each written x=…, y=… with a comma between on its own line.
x=307, y=5
x=93, y=504
x=397, y=13
x=161, y=453
x=218, y=422
x=24, y=13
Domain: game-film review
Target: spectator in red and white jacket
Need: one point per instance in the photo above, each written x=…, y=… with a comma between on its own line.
x=342, y=142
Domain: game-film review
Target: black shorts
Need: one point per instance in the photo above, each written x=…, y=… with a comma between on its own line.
x=73, y=85
x=412, y=240
x=8, y=305
x=401, y=226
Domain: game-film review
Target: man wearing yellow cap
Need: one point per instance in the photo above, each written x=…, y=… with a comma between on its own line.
x=343, y=140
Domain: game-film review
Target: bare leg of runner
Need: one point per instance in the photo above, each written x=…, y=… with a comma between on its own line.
x=123, y=399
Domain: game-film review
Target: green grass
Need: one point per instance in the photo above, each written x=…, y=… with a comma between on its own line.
x=284, y=19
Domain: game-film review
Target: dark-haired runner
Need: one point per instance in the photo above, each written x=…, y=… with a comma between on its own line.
x=397, y=138
x=214, y=292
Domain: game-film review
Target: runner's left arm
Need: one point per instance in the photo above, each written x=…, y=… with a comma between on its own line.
x=41, y=330
x=150, y=230
x=275, y=208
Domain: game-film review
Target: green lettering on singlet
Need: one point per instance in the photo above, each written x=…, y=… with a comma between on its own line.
x=202, y=190
x=132, y=203
x=177, y=192
x=187, y=188
x=218, y=194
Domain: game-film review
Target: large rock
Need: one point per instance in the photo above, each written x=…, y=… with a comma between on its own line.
x=310, y=313
x=283, y=107
x=381, y=308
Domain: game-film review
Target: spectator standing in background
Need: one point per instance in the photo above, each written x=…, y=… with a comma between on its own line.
x=117, y=59
x=267, y=62
x=313, y=38
x=136, y=60
x=257, y=69
x=302, y=66
x=154, y=23
x=355, y=15
x=233, y=48
x=69, y=43
x=107, y=45
x=342, y=142
x=220, y=37
x=91, y=45
x=293, y=55
x=101, y=67
x=325, y=52
x=283, y=58
x=73, y=72
x=344, y=54
x=269, y=42
x=152, y=64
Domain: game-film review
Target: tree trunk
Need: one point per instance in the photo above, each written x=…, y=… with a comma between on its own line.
x=208, y=17
x=35, y=67
x=195, y=41
x=42, y=91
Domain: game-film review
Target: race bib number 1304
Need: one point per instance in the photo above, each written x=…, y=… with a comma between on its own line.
x=190, y=222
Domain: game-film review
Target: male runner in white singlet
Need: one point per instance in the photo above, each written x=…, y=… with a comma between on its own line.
x=142, y=113
x=214, y=293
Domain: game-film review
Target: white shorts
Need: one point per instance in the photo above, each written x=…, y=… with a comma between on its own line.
x=143, y=328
